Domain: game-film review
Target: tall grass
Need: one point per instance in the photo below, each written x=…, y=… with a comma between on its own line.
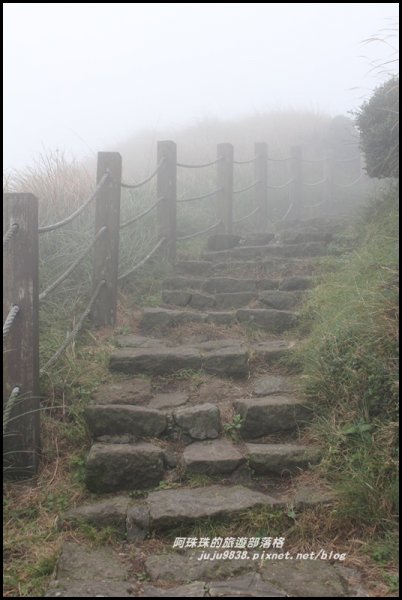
x=350, y=371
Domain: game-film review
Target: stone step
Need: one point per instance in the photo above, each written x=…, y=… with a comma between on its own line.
x=212, y=458
x=262, y=416
x=112, y=467
x=141, y=355
x=217, y=285
x=120, y=419
x=275, y=267
x=280, y=459
x=269, y=319
x=307, y=249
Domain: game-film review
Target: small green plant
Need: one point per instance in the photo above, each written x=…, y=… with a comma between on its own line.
x=233, y=428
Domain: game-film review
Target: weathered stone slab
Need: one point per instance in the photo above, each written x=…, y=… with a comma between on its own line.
x=176, y=297
x=136, y=341
x=137, y=521
x=280, y=458
x=222, y=241
x=233, y=300
x=156, y=319
x=193, y=267
x=262, y=416
x=305, y=578
x=84, y=572
x=199, y=422
x=296, y=283
x=273, y=384
x=257, y=239
x=267, y=284
x=310, y=234
x=197, y=589
x=212, y=457
x=221, y=318
x=173, y=399
x=158, y=360
x=201, y=301
x=280, y=300
x=276, y=321
x=107, y=513
x=133, y=391
x=185, y=567
x=231, y=362
x=171, y=507
x=249, y=585
x=112, y=467
x=115, y=419
x=271, y=350
x=217, y=285
x=182, y=283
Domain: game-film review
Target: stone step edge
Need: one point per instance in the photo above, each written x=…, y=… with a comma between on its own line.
x=131, y=519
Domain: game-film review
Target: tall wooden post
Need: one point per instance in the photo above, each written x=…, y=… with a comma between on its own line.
x=225, y=182
x=166, y=187
x=21, y=417
x=106, y=249
x=295, y=187
x=261, y=176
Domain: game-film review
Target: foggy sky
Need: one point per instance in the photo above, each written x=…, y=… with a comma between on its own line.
x=82, y=77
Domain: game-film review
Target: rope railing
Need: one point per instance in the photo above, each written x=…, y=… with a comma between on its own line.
x=47, y=228
x=197, y=233
x=347, y=185
x=285, y=215
x=279, y=159
x=314, y=183
x=8, y=407
x=143, y=261
x=201, y=197
x=200, y=165
x=141, y=215
x=248, y=187
x=12, y=313
x=245, y=162
x=75, y=331
x=10, y=233
x=70, y=269
x=280, y=187
x=133, y=186
x=246, y=216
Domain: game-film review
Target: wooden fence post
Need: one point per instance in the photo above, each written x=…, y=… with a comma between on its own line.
x=295, y=187
x=166, y=189
x=261, y=176
x=21, y=418
x=106, y=249
x=225, y=182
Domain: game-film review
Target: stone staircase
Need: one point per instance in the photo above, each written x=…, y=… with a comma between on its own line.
x=221, y=421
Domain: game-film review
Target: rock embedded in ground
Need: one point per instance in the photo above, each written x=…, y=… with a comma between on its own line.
x=295, y=283
x=233, y=299
x=168, y=508
x=199, y=422
x=157, y=319
x=281, y=459
x=280, y=300
x=219, y=285
x=248, y=585
x=115, y=419
x=276, y=321
x=211, y=457
x=106, y=513
x=196, y=589
x=132, y=391
x=113, y=467
x=273, y=384
x=176, y=297
x=261, y=416
x=168, y=400
x=222, y=241
x=201, y=301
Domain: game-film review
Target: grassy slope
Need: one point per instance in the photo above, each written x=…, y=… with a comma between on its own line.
x=350, y=370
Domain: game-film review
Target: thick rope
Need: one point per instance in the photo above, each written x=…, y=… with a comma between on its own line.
x=248, y=187
x=207, y=195
x=133, y=186
x=199, y=166
x=143, y=214
x=143, y=261
x=197, y=233
x=47, y=228
x=12, y=313
x=11, y=231
x=246, y=216
x=75, y=331
x=70, y=269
